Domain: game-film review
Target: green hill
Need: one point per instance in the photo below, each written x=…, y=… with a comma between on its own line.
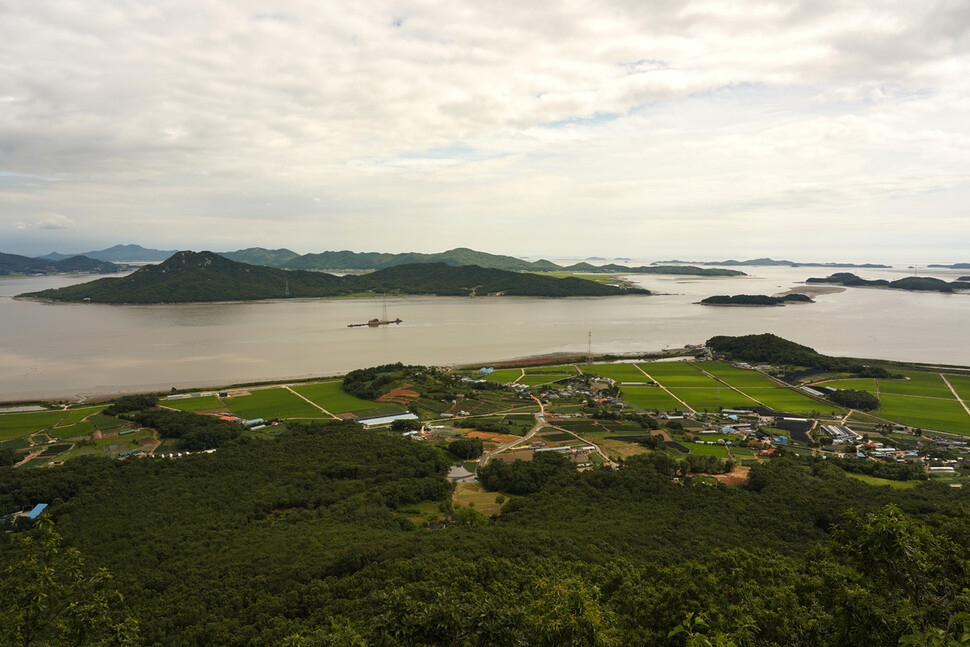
x=206, y=276
x=260, y=256
x=755, y=300
x=912, y=283
x=17, y=264
x=119, y=253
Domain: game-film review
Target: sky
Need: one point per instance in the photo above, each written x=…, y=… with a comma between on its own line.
x=814, y=130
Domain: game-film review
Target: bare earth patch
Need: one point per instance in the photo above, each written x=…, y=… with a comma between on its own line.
x=738, y=476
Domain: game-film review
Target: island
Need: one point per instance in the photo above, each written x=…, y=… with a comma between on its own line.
x=17, y=264
x=770, y=262
x=206, y=276
x=912, y=283
x=755, y=300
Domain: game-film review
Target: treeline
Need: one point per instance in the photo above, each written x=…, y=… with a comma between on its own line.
x=755, y=300
x=195, y=432
x=854, y=399
x=915, y=283
x=775, y=350
x=370, y=383
x=883, y=469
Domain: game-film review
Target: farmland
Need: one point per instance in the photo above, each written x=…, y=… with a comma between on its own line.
x=650, y=397
x=273, y=403
x=13, y=425
x=331, y=397
x=203, y=403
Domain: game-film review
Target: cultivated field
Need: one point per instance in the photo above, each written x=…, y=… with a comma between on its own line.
x=204, y=403
x=272, y=403
x=650, y=397
x=331, y=397
x=618, y=372
x=13, y=425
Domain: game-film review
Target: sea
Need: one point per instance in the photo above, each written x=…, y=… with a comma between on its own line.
x=79, y=351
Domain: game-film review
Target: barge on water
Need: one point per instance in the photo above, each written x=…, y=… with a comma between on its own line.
x=374, y=323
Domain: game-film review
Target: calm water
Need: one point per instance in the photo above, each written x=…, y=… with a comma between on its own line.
x=67, y=350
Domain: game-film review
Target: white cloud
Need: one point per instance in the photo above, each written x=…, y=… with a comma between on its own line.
x=45, y=221
x=159, y=120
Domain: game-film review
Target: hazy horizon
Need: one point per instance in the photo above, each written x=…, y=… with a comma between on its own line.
x=815, y=132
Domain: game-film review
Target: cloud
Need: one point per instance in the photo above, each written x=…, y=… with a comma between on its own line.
x=45, y=221
x=170, y=121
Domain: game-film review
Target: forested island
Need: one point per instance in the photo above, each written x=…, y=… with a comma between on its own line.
x=769, y=262
x=16, y=264
x=912, y=283
x=755, y=300
x=355, y=261
x=206, y=276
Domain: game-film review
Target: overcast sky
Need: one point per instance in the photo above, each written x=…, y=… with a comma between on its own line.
x=813, y=130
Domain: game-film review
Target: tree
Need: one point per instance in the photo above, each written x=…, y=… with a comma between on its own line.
x=49, y=598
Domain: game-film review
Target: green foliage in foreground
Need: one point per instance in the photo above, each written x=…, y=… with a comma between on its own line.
x=306, y=540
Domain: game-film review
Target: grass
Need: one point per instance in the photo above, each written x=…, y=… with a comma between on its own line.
x=734, y=376
x=782, y=399
x=75, y=416
x=536, y=380
x=961, y=384
x=618, y=372
x=859, y=384
x=926, y=413
x=467, y=494
x=272, y=403
x=13, y=425
x=331, y=397
x=103, y=422
x=720, y=451
x=501, y=376
x=16, y=443
x=74, y=431
x=650, y=397
x=708, y=399
x=560, y=371
x=919, y=384
x=672, y=374
x=874, y=480
x=204, y=403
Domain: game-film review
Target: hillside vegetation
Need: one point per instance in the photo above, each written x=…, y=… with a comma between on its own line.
x=206, y=276
x=755, y=300
x=913, y=283
x=16, y=264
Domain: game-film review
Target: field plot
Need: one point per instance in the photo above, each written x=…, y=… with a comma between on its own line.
x=927, y=413
x=13, y=425
x=720, y=451
x=618, y=372
x=538, y=380
x=859, y=384
x=961, y=383
x=734, y=376
x=672, y=374
x=713, y=399
x=781, y=399
x=501, y=376
x=204, y=403
x=558, y=371
x=922, y=384
x=77, y=415
x=272, y=403
x=75, y=430
x=875, y=480
x=650, y=397
x=331, y=397
x=471, y=493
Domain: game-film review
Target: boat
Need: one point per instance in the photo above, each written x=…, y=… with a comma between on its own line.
x=374, y=323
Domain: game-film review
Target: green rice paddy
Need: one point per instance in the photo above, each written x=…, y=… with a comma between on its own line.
x=204, y=403
x=650, y=397
x=13, y=425
x=677, y=374
x=712, y=399
x=273, y=403
x=331, y=397
x=618, y=372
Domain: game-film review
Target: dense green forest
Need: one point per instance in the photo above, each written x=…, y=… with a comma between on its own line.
x=312, y=539
x=854, y=399
x=755, y=300
x=914, y=283
x=205, y=276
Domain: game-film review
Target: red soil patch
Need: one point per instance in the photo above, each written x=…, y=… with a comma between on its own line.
x=738, y=476
x=400, y=395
